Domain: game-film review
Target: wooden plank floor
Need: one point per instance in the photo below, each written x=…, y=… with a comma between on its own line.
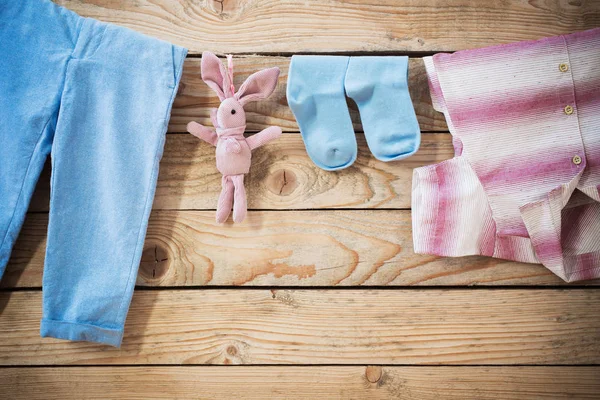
x=334, y=303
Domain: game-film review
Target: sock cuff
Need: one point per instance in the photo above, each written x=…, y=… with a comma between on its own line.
x=316, y=72
x=325, y=65
x=380, y=69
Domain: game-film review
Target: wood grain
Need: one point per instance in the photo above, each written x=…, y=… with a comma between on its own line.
x=326, y=327
x=271, y=26
x=295, y=248
x=194, y=98
x=500, y=343
x=330, y=383
x=282, y=177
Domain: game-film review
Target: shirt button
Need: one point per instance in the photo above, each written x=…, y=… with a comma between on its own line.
x=563, y=67
x=576, y=160
x=568, y=110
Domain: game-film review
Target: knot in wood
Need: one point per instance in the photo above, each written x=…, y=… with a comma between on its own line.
x=223, y=8
x=282, y=182
x=373, y=373
x=155, y=262
x=232, y=350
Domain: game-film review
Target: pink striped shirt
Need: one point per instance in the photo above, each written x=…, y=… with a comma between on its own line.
x=525, y=182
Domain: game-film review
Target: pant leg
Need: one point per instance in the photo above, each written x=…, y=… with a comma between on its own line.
x=36, y=41
x=110, y=133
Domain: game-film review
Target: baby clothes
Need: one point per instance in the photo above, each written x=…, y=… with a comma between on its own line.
x=98, y=98
x=379, y=86
x=525, y=182
x=315, y=93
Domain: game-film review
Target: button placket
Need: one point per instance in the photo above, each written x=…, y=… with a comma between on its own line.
x=567, y=97
x=565, y=86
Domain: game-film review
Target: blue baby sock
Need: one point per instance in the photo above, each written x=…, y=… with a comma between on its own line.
x=315, y=93
x=379, y=87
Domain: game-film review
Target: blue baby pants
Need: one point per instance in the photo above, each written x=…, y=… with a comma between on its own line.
x=97, y=97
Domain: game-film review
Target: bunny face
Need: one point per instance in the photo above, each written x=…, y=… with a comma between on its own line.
x=258, y=86
x=231, y=114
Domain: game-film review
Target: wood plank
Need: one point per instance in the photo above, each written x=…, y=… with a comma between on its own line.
x=339, y=382
x=282, y=177
x=557, y=327
x=296, y=248
x=358, y=26
x=194, y=98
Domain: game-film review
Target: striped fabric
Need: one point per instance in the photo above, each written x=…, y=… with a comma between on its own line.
x=525, y=182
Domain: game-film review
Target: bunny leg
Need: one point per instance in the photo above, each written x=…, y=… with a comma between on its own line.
x=225, y=199
x=239, y=204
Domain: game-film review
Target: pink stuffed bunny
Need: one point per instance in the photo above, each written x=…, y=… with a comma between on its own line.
x=233, y=152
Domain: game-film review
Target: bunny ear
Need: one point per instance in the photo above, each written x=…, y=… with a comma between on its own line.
x=215, y=75
x=258, y=86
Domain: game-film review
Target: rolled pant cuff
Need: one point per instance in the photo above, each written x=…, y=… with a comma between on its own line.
x=77, y=331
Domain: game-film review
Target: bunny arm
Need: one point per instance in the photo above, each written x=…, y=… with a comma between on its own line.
x=202, y=132
x=264, y=136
